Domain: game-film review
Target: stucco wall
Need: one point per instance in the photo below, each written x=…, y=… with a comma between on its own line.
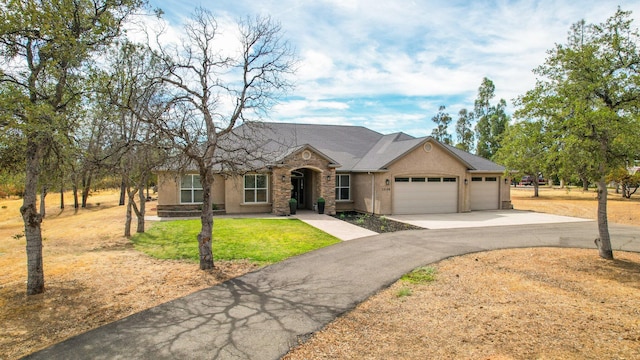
x=437, y=162
x=168, y=189
x=370, y=199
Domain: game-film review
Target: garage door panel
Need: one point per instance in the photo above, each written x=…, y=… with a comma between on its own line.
x=425, y=197
x=484, y=195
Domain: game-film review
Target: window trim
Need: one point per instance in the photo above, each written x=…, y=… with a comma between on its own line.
x=191, y=189
x=339, y=187
x=255, y=189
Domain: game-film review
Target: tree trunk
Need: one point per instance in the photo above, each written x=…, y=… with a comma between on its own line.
x=140, y=212
x=43, y=195
x=604, y=241
x=62, y=195
x=561, y=183
x=128, y=217
x=206, y=218
x=123, y=191
x=585, y=184
x=75, y=196
x=32, y=220
x=130, y=204
x=536, y=188
x=86, y=188
x=626, y=191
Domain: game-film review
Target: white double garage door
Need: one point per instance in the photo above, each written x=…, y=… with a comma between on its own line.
x=439, y=195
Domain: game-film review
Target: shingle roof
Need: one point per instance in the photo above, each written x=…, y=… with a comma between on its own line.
x=387, y=149
x=356, y=148
x=475, y=162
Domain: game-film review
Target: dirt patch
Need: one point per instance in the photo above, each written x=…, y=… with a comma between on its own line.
x=379, y=224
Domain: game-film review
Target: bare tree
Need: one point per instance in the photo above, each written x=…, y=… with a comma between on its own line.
x=137, y=99
x=214, y=90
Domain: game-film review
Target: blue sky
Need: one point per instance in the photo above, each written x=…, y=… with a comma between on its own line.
x=388, y=65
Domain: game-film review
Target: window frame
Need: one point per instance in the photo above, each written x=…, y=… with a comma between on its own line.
x=339, y=187
x=191, y=189
x=255, y=189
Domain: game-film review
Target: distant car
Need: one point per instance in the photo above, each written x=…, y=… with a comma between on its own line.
x=528, y=180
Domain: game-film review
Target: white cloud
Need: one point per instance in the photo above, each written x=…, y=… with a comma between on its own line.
x=296, y=108
x=428, y=53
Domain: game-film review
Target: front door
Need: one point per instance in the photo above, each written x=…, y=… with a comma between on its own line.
x=297, y=190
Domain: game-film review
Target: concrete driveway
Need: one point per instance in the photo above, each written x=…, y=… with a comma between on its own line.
x=483, y=219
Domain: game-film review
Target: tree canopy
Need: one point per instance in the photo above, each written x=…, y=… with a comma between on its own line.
x=46, y=48
x=492, y=120
x=464, y=130
x=442, y=120
x=588, y=96
x=525, y=149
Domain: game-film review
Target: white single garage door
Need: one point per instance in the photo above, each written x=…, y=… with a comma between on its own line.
x=485, y=193
x=425, y=195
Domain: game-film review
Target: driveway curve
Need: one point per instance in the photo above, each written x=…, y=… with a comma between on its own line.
x=261, y=315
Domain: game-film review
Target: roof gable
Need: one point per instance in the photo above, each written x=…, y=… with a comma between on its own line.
x=299, y=149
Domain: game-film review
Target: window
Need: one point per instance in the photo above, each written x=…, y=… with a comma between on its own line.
x=420, y=179
x=491, y=179
x=433, y=179
x=190, y=189
x=255, y=188
x=476, y=178
x=343, y=187
x=448, y=179
x=402, y=179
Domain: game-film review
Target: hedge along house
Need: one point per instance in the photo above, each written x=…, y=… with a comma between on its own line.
x=353, y=168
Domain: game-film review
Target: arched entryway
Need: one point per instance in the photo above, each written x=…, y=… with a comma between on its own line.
x=304, y=187
x=304, y=175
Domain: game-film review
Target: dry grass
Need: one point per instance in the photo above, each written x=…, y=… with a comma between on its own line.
x=507, y=304
x=93, y=276
x=575, y=202
x=512, y=304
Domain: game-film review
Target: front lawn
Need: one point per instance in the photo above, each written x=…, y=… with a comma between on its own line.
x=259, y=240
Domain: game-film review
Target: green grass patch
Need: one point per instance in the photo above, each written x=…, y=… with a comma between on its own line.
x=260, y=240
x=403, y=292
x=421, y=275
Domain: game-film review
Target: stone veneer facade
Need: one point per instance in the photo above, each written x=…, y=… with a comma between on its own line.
x=322, y=182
